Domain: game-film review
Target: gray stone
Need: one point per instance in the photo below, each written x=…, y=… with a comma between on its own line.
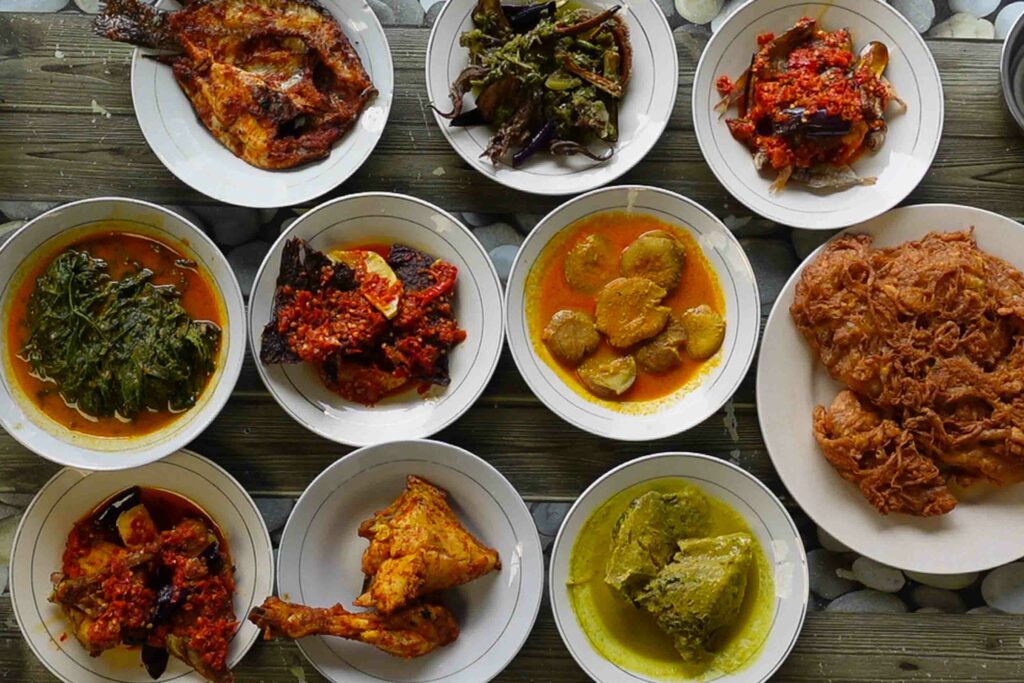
x=383, y=12
x=699, y=11
x=24, y=211
x=806, y=241
x=245, y=261
x=275, y=511
x=478, y=220
x=89, y=6
x=977, y=8
x=877, y=575
x=8, y=511
x=432, y=13
x=1003, y=588
x=964, y=25
x=548, y=517
x=267, y=215
x=7, y=528
x=1007, y=17
x=830, y=542
x=920, y=13
x=7, y=229
x=407, y=12
x=750, y=226
x=867, y=600
x=498, y=234
x=822, y=565
x=230, y=225
x=526, y=222
x=503, y=257
x=18, y=500
x=938, y=598
x=773, y=262
x=4, y=574
x=953, y=582
x=189, y=215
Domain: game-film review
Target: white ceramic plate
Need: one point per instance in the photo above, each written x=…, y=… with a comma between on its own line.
x=686, y=408
x=384, y=218
x=27, y=423
x=899, y=165
x=69, y=496
x=643, y=114
x=763, y=512
x=981, y=531
x=320, y=555
x=190, y=152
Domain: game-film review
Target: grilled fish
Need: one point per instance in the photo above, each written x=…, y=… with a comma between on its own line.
x=275, y=81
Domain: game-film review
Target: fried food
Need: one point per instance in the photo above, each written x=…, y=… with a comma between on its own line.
x=275, y=81
x=629, y=310
x=418, y=547
x=410, y=632
x=928, y=338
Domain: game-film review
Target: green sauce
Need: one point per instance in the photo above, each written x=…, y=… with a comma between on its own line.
x=629, y=636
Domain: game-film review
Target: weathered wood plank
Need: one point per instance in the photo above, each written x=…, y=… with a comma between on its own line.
x=49, y=130
x=841, y=648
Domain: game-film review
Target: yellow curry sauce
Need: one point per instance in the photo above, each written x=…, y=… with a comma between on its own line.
x=628, y=636
x=547, y=292
x=122, y=248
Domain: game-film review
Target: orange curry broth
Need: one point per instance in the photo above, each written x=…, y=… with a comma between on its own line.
x=121, y=250
x=547, y=292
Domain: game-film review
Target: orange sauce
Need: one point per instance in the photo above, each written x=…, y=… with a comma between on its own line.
x=547, y=292
x=122, y=251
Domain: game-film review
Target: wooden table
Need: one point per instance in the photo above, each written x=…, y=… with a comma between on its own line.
x=67, y=131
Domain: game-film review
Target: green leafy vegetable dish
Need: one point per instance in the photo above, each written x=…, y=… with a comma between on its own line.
x=548, y=76
x=115, y=335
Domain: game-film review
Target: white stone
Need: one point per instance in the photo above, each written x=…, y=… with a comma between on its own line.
x=477, y=220
x=497, y=234
x=920, y=13
x=1007, y=17
x=230, y=225
x=867, y=600
x=877, y=575
x=699, y=11
x=407, y=12
x=964, y=25
x=938, y=598
x=432, y=13
x=830, y=542
x=953, y=582
x=7, y=528
x=823, y=567
x=977, y=8
x=383, y=12
x=728, y=9
x=1003, y=588
x=89, y=6
x=4, y=572
x=503, y=257
x=245, y=261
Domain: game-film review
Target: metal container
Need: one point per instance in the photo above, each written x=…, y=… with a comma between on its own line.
x=1011, y=70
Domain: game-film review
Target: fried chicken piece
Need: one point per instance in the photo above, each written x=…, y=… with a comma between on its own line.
x=880, y=458
x=411, y=632
x=418, y=547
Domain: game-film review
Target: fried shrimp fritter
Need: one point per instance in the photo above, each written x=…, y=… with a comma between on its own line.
x=929, y=338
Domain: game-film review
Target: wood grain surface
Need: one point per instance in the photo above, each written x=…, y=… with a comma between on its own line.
x=67, y=131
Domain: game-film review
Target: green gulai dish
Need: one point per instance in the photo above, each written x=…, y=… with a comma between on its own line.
x=670, y=583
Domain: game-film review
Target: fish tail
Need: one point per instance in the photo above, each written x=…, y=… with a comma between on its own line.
x=134, y=22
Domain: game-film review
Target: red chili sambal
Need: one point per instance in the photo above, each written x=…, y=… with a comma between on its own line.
x=148, y=568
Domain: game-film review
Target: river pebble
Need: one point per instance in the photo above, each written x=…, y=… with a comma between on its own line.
x=24, y=211
x=965, y=26
x=245, y=261
x=773, y=262
x=4, y=574
x=407, y=12
x=877, y=575
x=977, y=8
x=821, y=566
x=89, y=6
x=32, y=5
x=477, y=220
x=230, y=225
x=724, y=13
x=498, y=234
x=275, y=511
x=920, y=13
x=953, y=582
x=383, y=12
x=867, y=600
x=432, y=13
x=938, y=598
x=699, y=11
x=7, y=528
x=1006, y=18
x=526, y=222
x=1003, y=588
x=502, y=257
x=830, y=542
x=7, y=229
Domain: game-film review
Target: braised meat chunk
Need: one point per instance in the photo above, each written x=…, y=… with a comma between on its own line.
x=590, y=264
x=629, y=310
x=656, y=255
x=571, y=335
